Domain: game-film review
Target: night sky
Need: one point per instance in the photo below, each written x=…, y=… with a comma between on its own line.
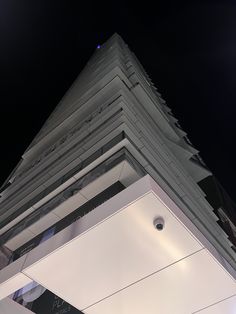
x=188, y=49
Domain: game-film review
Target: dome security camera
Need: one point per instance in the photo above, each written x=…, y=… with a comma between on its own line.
x=159, y=223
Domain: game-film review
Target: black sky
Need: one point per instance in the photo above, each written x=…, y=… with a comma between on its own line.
x=188, y=49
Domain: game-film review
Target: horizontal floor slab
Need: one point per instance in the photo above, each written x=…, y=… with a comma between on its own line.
x=113, y=260
x=182, y=288
x=8, y=306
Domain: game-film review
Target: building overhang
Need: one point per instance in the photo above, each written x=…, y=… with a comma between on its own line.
x=8, y=306
x=113, y=260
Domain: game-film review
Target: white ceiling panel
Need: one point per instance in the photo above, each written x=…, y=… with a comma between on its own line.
x=20, y=238
x=8, y=306
x=70, y=205
x=12, y=279
x=43, y=223
x=227, y=306
x=182, y=288
x=121, y=250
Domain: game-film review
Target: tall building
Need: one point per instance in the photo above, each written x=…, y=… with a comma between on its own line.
x=111, y=208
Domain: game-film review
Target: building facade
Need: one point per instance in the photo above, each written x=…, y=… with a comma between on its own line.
x=111, y=209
